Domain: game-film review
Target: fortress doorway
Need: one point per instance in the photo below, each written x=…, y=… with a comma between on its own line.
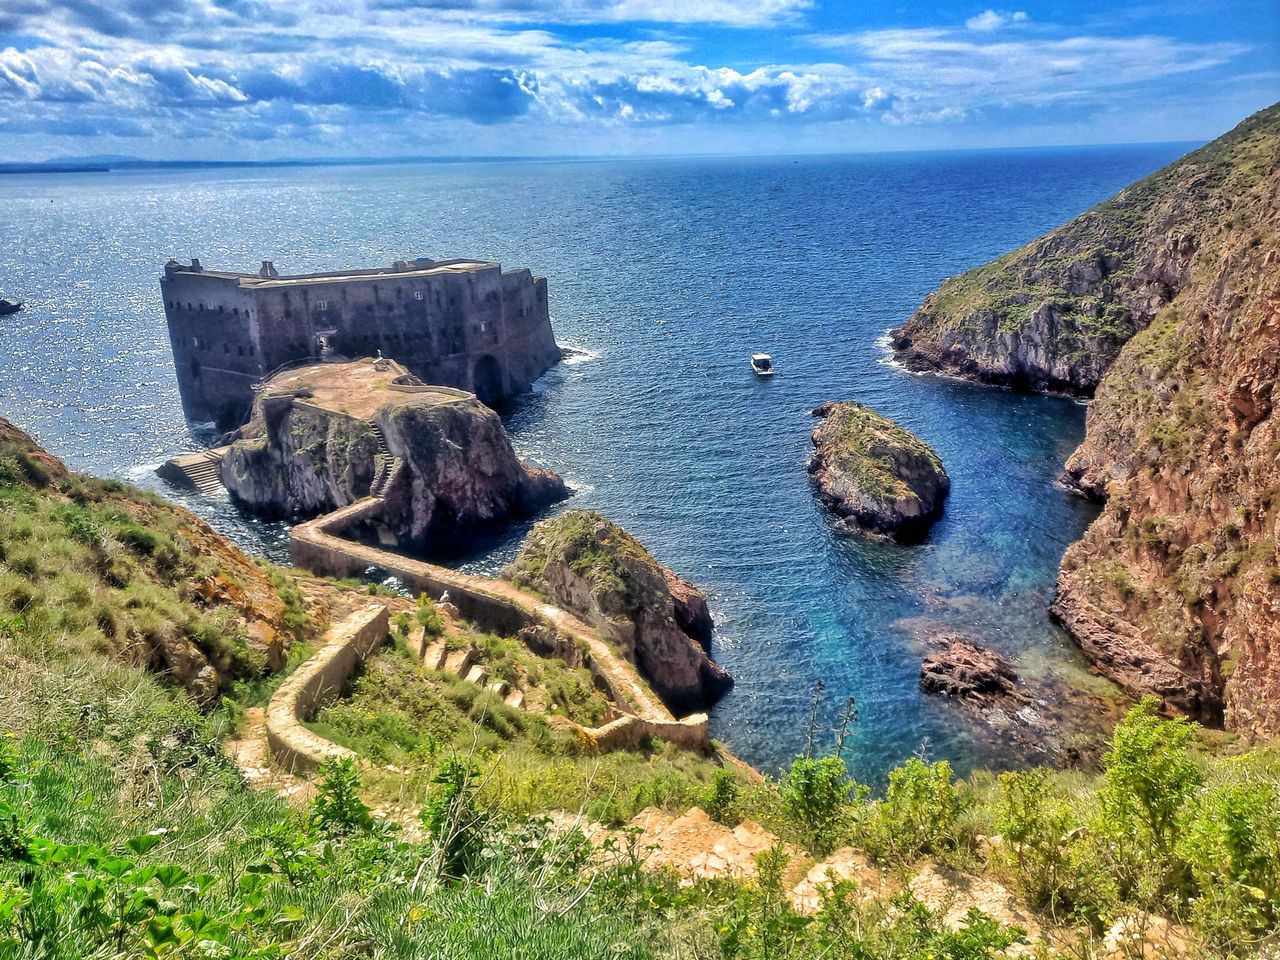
x=486, y=380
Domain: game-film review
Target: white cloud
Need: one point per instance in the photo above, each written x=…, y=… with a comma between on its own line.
x=315, y=71
x=990, y=20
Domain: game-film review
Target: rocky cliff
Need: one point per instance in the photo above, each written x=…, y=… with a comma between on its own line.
x=442, y=460
x=1054, y=314
x=589, y=565
x=873, y=475
x=1175, y=589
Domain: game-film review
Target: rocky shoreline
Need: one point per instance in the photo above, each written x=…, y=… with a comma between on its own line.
x=1161, y=304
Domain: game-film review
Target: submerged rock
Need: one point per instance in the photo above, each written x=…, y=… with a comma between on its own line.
x=590, y=565
x=325, y=436
x=968, y=672
x=874, y=475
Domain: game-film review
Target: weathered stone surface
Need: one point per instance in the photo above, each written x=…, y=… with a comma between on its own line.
x=873, y=475
x=1165, y=298
x=311, y=448
x=966, y=671
x=591, y=566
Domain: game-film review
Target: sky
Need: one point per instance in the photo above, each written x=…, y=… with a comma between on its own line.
x=273, y=79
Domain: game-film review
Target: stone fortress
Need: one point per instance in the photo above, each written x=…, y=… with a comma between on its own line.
x=460, y=323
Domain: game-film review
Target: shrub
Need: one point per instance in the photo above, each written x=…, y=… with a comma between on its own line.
x=1148, y=776
x=919, y=813
x=1231, y=844
x=721, y=795
x=451, y=818
x=816, y=799
x=337, y=807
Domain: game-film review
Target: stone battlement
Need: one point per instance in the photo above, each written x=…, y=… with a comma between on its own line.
x=468, y=324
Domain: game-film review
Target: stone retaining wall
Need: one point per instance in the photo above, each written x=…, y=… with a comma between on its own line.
x=318, y=681
x=501, y=608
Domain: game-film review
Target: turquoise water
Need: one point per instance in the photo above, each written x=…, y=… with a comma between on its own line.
x=667, y=275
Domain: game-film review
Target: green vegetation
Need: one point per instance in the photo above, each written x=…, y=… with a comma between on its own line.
x=403, y=715
x=867, y=446
x=124, y=832
x=595, y=548
x=1107, y=250
x=94, y=566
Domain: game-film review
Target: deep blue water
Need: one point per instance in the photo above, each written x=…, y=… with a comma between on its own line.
x=669, y=274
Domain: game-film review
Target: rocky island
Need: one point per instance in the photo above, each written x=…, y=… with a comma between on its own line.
x=325, y=435
x=875, y=476
x=1164, y=300
x=591, y=566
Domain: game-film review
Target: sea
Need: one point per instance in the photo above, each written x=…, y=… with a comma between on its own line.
x=665, y=275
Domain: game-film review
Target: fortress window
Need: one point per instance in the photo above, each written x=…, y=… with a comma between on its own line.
x=322, y=304
x=221, y=308
x=188, y=304
x=202, y=308
x=251, y=350
x=240, y=349
x=235, y=311
x=419, y=295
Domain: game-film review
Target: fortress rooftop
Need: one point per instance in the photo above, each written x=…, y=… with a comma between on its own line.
x=359, y=388
x=267, y=277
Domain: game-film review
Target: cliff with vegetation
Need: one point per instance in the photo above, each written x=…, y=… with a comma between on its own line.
x=93, y=565
x=1165, y=298
x=591, y=566
x=1055, y=314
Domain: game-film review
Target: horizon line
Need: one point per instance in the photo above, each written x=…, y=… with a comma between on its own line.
x=92, y=163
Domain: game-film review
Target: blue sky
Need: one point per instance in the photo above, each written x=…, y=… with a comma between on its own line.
x=267, y=79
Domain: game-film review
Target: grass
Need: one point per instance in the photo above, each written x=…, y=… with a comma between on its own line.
x=403, y=715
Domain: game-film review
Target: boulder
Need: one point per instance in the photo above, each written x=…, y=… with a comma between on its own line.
x=966, y=671
x=875, y=476
x=587, y=564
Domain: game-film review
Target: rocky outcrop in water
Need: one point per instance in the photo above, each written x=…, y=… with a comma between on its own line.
x=442, y=465
x=965, y=671
x=875, y=476
x=1029, y=718
x=591, y=566
x=1167, y=298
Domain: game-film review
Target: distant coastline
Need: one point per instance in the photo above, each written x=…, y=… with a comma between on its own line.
x=114, y=164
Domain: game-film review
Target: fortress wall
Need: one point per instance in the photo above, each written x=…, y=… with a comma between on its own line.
x=481, y=329
x=216, y=359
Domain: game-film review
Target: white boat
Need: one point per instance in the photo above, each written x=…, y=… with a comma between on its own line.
x=762, y=364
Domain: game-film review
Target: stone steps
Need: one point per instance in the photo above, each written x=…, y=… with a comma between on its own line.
x=199, y=471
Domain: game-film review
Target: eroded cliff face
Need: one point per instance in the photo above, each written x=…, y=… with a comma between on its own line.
x=1055, y=314
x=1175, y=588
x=588, y=564
x=458, y=468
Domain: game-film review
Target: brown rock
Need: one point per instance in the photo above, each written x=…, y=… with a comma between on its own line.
x=591, y=566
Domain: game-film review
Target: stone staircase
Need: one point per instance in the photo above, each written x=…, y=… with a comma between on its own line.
x=462, y=664
x=385, y=464
x=199, y=471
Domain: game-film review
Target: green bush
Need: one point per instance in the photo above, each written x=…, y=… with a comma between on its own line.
x=919, y=814
x=1230, y=841
x=816, y=797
